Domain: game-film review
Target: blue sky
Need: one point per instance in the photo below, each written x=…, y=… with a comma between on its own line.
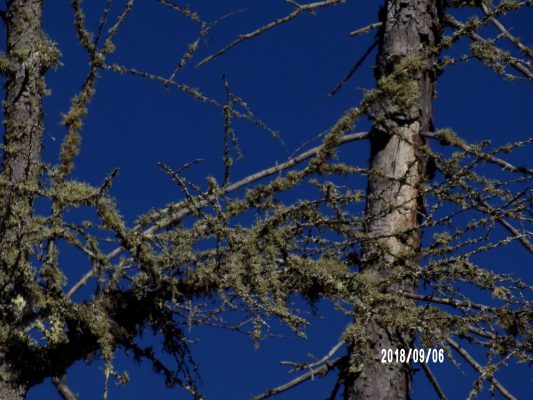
x=284, y=76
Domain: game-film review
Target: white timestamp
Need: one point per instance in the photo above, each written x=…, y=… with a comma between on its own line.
x=425, y=356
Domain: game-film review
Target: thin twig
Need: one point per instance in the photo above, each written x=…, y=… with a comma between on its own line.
x=298, y=10
x=521, y=237
x=120, y=20
x=470, y=360
x=366, y=29
x=322, y=371
x=354, y=68
x=330, y=353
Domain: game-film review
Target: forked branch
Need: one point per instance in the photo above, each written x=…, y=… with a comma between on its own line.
x=320, y=371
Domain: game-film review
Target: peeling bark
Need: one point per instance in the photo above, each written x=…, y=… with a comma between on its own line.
x=410, y=30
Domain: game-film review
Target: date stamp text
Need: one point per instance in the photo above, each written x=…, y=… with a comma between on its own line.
x=425, y=356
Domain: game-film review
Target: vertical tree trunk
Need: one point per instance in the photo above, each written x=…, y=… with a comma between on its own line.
x=410, y=30
x=27, y=58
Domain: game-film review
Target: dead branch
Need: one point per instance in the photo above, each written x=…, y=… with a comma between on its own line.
x=322, y=371
x=354, y=68
x=510, y=228
x=445, y=301
x=514, y=40
x=299, y=8
x=182, y=212
x=62, y=388
x=488, y=157
x=433, y=380
x=517, y=65
x=300, y=366
x=366, y=29
x=470, y=360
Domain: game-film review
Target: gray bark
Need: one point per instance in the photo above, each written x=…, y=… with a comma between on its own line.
x=23, y=129
x=410, y=29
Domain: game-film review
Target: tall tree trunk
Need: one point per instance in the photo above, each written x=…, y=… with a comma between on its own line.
x=28, y=56
x=410, y=31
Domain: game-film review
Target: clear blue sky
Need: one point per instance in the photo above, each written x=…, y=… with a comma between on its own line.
x=284, y=76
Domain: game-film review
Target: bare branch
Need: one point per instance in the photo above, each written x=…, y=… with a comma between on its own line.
x=470, y=360
x=354, y=68
x=322, y=371
x=433, y=380
x=298, y=10
x=82, y=282
x=63, y=389
x=300, y=366
x=366, y=29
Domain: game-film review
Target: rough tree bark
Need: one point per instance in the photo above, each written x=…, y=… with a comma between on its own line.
x=26, y=62
x=410, y=31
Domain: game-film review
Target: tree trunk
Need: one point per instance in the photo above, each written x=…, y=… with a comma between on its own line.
x=410, y=30
x=27, y=58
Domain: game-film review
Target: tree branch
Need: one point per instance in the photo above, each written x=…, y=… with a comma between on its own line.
x=354, y=68
x=298, y=10
x=300, y=366
x=433, y=380
x=63, y=389
x=449, y=302
x=488, y=157
x=510, y=228
x=366, y=29
x=322, y=371
x=518, y=66
x=514, y=40
x=184, y=211
x=470, y=360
